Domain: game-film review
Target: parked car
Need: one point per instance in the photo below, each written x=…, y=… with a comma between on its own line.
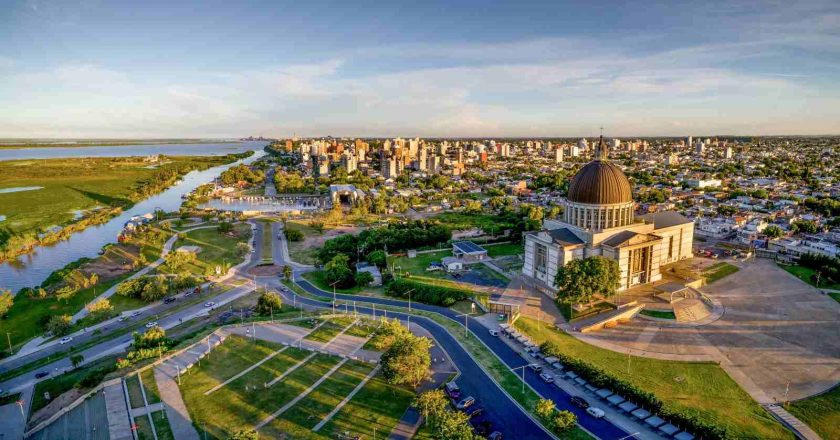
x=151, y=324
x=65, y=340
x=41, y=374
x=209, y=304
x=547, y=378
x=535, y=368
x=453, y=390
x=580, y=402
x=595, y=412
x=169, y=299
x=474, y=411
x=494, y=333
x=465, y=403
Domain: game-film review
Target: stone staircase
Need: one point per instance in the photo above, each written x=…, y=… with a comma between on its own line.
x=801, y=430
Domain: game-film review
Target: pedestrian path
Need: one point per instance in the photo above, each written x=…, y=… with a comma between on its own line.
x=346, y=399
x=116, y=406
x=176, y=411
x=800, y=429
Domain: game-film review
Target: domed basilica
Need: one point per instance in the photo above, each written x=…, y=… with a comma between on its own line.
x=599, y=220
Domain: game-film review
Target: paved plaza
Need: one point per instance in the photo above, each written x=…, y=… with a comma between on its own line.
x=777, y=337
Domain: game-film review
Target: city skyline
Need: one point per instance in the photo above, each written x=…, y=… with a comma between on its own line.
x=96, y=69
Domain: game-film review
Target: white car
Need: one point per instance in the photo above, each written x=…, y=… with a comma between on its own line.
x=135, y=314
x=151, y=324
x=547, y=378
x=121, y=318
x=598, y=413
x=65, y=340
x=494, y=333
x=209, y=304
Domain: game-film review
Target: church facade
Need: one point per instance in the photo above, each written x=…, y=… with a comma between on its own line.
x=599, y=220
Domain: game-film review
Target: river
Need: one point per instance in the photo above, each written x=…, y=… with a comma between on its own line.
x=32, y=269
x=207, y=149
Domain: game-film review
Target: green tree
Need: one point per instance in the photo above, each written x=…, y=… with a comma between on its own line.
x=287, y=272
x=65, y=293
x=804, y=226
x=176, y=262
x=6, y=302
x=407, y=361
x=150, y=339
x=544, y=409
x=773, y=231
x=363, y=279
x=431, y=405
x=583, y=278
x=100, y=307
x=338, y=271
x=293, y=234
x=76, y=359
x=563, y=421
x=59, y=325
x=268, y=302
x=377, y=258
x=225, y=227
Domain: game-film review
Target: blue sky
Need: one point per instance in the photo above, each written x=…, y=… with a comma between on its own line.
x=95, y=68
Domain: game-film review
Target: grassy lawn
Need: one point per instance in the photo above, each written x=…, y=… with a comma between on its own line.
x=318, y=278
x=498, y=250
x=571, y=316
x=299, y=251
x=487, y=222
x=701, y=388
x=162, y=428
x=415, y=268
x=144, y=429
x=661, y=314
x=135, y=395
x=377, y=405
x=216, y=249
x=805, y=274
x=821, y=413
x=150, y=385
x=718, y=271
x=327, y=331
x=267, y=242
x=465, y=306
x=835, y=296
x=9, y=398
x=65, y=382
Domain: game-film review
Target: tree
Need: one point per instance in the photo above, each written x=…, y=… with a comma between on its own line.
x=473, y=206
x=268, y=302
x=175, y=262
x=563, y=421
x=94, y=279
x=245, y=434
x=544, y=408
x=76, y=359
x=154, y=288
x=726, y=210
x=287, y=272
x=363, y=279
x=59, y=325
x=377, y=258
x=804, y=226
x=773, y=231
x=293, y=234
x=407, y=361
x=225, y=227
x=100, y=307
x=583, y=278
x=150, y=339
x=431, y=405
x=242, y=249
x=65, y=293
x=338, y=271
x=6, y=302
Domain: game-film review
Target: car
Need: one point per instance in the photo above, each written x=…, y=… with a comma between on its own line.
x=452, y=390
x=121, y=318
x=598, y=413
x=474, y=411
x=169, y=299
x=151, y=324
x=465, y=403
x=535, y=368
x=188, y=293
x=41, y=374
x=65, y=340
x=579, y=402
x=494, y=333
x=495, y=435
x=547, y=378
x=135, y=314
x=209, y=304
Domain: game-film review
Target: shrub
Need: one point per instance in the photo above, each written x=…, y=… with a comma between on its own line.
x=293, y=235
x=363, y=279
x=425, y=293
x=269, y=302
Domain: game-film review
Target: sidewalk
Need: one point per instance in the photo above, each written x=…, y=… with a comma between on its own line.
x=119, y=423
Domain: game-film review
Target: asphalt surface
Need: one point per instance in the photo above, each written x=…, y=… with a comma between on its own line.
x=599, y=427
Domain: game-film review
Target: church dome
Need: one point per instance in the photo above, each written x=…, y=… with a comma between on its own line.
x=600, y=183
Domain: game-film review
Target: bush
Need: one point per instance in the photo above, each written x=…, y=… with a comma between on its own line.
x=338, y=271
x=425, y=293
x=363, y=279
x=59, y=325
x=269, y=302
x=376, y=258
x=293, y=235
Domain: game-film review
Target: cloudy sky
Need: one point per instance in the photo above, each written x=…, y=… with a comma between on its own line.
x=207, y=68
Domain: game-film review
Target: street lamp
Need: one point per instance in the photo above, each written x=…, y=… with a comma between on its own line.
x=466, y=328
x=408, y=292
x=523, y=375
x=333, y=303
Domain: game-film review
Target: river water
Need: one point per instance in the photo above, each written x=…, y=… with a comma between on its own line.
x=33, y=269
x=209, y=149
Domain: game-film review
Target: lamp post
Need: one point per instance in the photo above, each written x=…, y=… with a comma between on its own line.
x=466, y=325
x=523, y=375
x=333, y=303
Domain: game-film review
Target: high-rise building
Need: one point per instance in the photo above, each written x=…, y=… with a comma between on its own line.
x=558, y=155
x=728, y=152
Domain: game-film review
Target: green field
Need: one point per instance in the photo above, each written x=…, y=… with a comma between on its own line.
x=216, y=249
x=702, y=388
x=661, y=314
x=135, y=394
x=502, y=249
x=805, y=274
x=245, y=402
x=489, y=223
x=319, y=280
x=150, y=384
x=71, y=186
x=328, y=330
x=267, y=242
x=718, y=271
x=821, y=413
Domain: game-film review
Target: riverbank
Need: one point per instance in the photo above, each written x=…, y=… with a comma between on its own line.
x=77, y=193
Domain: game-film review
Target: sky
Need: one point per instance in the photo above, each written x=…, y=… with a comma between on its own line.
x=457, y=68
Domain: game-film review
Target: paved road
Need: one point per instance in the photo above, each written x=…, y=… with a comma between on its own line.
x=601, y=428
